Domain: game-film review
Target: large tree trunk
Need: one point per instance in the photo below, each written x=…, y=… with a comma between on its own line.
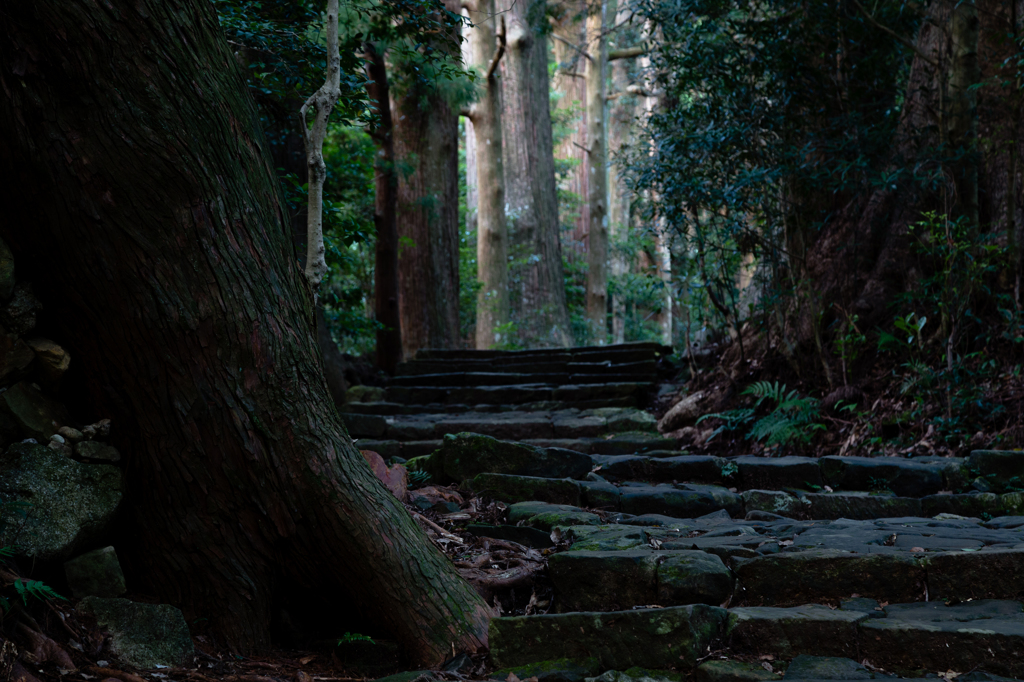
x=861, y=257
x=539, y=307
x=385, y=218
x=492, y=303
x=159, y=245
x=426, y=137
x=597, y=172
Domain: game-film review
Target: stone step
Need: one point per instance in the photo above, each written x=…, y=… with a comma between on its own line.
x=563, y=425
x=917, y=639
x=619, y=352
x=463, y=379
x=619, y=394
x=639, y=368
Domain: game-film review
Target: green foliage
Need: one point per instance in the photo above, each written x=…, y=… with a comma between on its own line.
x=350, y=637
x=418, y=479
x=34, y=588
x=792, y=419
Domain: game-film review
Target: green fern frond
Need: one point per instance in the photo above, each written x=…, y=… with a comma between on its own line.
x=35, y=588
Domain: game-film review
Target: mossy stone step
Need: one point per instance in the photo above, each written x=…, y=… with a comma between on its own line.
x=674, y=637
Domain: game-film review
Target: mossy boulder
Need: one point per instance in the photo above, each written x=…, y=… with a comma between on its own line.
x=511, y=489
x=465, y=455
x=142, y=635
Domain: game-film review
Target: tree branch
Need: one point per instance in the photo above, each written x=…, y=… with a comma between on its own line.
x=497, y=53
x=895, y=35
x=572, y=45
x=626, y=52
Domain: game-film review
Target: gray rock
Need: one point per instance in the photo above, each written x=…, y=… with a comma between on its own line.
x=687, y=468
x=631, y=420
x=600, y=495
x=969, y=505
x=595, y=538
x=507, y=426
x=545, y=516
x=631, y=442
x=623, y=467
x=988, y=574
x=732, y=671
x=859, y=505
x=684, y=413
x=579, y=427
x=1001, y=468
x=364, y=394
x=143, y=635
x=95, y=450
x=693, y=578
x=411, y=429
x=97, y=573
x=673, y=637
x=466, y=455
x=666, y=500
x=15, y=356
x=67, y=503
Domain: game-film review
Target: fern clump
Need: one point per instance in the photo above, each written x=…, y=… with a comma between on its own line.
x=792, y=420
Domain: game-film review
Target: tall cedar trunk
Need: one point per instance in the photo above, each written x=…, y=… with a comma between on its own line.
x=621, y=114
x=385, y=219
x=426, y=136
x=539, y=306
x=159, y=245
x=597, y=173
x=860, y=257
x=492, y=303
x=569, y=40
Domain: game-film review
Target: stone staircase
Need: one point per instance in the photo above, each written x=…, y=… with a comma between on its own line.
x=674, y=566
x=586, y=399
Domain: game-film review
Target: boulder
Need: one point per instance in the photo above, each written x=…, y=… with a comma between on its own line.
x=63, y=504
x=142, y=635
x=511, y=489
x=15, y=355
x=683, y=413
x=96, y=573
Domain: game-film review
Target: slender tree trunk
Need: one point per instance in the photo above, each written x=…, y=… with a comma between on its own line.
x=492, y=303
x=597, y=173
x=964, y=76
x=539, y=305
x=568, y=45
x=385, y=219
x=426, y=136
x=160, y=247
x=621, y=115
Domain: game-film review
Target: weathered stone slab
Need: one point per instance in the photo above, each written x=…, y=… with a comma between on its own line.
x=466, y=455
x=630, y=420
x=693, y=578
x=955, y=476
x=811, y=629
x=814, y=575
x=524, y=535
x=986, y=574
x=603, y=538
x=385, y=448
x=666, y=500
x=859, y=505
x=974, y=504
x=726, y=500
x=604, y=581
x=776, y=473
x=544, y=515
x=672, y=637
x=623, y=467
x=732, y=671
x=578, y=427
x=410, y=429
x=773, y=501
x=510, y=489
x=600, y=495
x=561, y=670
x=996, y=646
x=898, y=475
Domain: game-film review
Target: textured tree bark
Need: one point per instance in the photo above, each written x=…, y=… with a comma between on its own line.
x=426, y=137
x=492, y=303
x=597, y=172
x=159, y=244
x=539, y=307
x=861, y=256
x=385, y=219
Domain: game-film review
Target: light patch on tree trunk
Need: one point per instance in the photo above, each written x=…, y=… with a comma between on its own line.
x=322, y=101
